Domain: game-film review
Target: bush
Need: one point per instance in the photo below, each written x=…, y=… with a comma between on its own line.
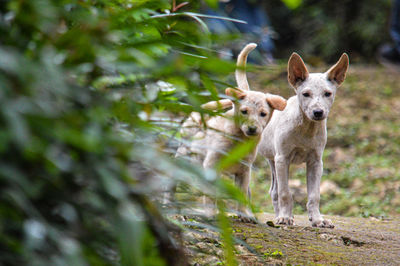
x=81, y=85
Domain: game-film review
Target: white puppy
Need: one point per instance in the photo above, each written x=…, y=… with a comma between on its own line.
x=298, y=134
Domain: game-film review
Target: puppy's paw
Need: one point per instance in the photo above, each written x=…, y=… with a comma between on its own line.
x=284, y=220
x=247, y=216
x=323, y=223
x=248, y=219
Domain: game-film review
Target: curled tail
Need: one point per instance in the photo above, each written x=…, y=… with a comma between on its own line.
x=240, y=72
x=215, y=105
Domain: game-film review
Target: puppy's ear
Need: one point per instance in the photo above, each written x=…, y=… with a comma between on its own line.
x=236, y=93
x=337, y=73
x=276, y=102
x=297, y=70
x=215, y=105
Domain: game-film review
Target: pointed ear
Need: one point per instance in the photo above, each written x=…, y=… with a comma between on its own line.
x=276, y=102
x=217, y=105
x=297, y=70
x=337, y=73
x=236, y=93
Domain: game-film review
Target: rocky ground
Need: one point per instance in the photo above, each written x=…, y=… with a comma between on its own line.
x=353, y=241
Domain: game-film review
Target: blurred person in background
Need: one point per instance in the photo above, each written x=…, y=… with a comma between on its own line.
x=256, y=30
x=389, y=54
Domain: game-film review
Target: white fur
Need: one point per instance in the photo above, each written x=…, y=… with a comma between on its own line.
x=296, y=135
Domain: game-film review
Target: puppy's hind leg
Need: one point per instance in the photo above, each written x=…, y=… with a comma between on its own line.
x=169, y=186
x=168, y=194
x=273, y=190
x=209, y=203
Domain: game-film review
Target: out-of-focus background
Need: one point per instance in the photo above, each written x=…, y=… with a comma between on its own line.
x=322, y=30
x=93, y=94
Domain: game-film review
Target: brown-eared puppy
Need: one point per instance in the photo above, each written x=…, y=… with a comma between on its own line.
x=251, y=113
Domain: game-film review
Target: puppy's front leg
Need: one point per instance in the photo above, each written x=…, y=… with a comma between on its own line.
x=208, y=203
x=284, y=197
x=314, y=174
x=242, y=180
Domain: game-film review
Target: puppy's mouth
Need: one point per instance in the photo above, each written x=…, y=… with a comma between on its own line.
x=318, y=118
x=251, y=133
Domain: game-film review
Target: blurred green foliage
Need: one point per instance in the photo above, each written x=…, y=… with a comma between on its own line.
x=292, y=4
x=90, y=92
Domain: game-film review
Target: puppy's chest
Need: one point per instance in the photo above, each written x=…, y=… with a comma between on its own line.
x=243, y=165
x=300, y=155
x=226, y=144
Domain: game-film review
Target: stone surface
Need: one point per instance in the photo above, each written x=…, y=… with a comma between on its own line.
x=353, y=241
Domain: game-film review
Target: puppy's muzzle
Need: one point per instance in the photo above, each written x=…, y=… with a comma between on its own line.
x=318, y=114
x=252, y=131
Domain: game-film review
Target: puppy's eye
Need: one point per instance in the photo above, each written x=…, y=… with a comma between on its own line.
x=306, y=94
x=263, y=114
x=328, y=94
x=244, y=112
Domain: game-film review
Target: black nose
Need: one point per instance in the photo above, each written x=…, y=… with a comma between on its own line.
x=252, y=129
x=318, y=113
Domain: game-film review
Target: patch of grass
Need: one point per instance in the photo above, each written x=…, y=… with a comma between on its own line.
x=274, y=254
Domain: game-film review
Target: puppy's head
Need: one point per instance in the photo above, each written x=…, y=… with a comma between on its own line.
x=316, y=91
x=254, y=109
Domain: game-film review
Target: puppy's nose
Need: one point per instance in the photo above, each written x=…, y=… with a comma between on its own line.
x=318, y=113
x=252, y=129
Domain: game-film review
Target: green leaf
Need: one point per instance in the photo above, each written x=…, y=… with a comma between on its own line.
x=292, y=4
x=234, y=156
x=226, y=235
x=212, y=3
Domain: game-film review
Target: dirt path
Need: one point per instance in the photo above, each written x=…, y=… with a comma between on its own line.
x=353, y=241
